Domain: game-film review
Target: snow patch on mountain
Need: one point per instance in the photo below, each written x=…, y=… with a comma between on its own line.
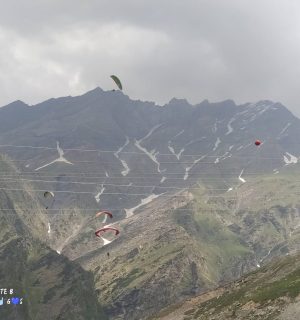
x=290, y=160
x=74, y=232
x=215, y=128
x=258, y=113
x=104, y=219
x=126, y=168
x=163, y=179
x=245, y=111
x=171, y=148
x=229, y=127
x=152, y=155
x=97, y=196
x=105, y=241
x=178, y=134
x=217, y=144
x=49, y=228
x=124, y=164
x=248, y=145
x=267, y=255
x=257, y=110
x=224, y=156
x=284, y=130
x=61, y=158
x=188, y=169
x=149, y=133
x=240, y=177
x=151, y=197
x=180, y=153
x=194, y=141
x=177, y=155
x=262, y=109
x=253, y=111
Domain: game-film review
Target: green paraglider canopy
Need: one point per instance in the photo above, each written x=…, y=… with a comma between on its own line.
x=49, y=195
x=117, y=81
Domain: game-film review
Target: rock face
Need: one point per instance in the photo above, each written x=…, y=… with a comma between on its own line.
x=49, y=283
x=171, y=250
x=138, y=150
x=197, y=203
x=272, y=292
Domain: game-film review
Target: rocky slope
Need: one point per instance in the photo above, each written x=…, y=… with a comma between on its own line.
x=272, y=292
x=137, y=150
x=179, y=247
x=49, y=284
x=196, y=202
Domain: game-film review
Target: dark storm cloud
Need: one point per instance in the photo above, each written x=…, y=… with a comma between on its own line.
x=241, y=49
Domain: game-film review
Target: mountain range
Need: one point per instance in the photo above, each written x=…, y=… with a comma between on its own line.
x=196, y=202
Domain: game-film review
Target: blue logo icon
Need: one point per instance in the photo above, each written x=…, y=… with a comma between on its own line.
x=1, y=301
x=15, y=300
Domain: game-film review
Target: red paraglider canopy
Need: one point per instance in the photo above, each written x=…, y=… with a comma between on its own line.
x=257, y=143
x=99, y=232
x=104, y=212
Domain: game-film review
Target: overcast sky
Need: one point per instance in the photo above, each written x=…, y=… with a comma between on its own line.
x=245, y=50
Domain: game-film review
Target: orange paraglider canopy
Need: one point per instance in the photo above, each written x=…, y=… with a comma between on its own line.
x=257, y=142
x=99, y=232
x=104, y=212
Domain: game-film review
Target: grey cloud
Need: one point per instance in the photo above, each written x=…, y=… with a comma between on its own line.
x=245, y=50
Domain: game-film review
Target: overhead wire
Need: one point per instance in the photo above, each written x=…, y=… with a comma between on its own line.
x=116, y=193
x=112, y=184
x=126, y=152
x=145, y=174
x=107, y=184
x=62, y=211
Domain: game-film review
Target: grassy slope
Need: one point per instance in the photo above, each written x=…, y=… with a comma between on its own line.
x=264, y=223
x=173, y=254
x=263, y=294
